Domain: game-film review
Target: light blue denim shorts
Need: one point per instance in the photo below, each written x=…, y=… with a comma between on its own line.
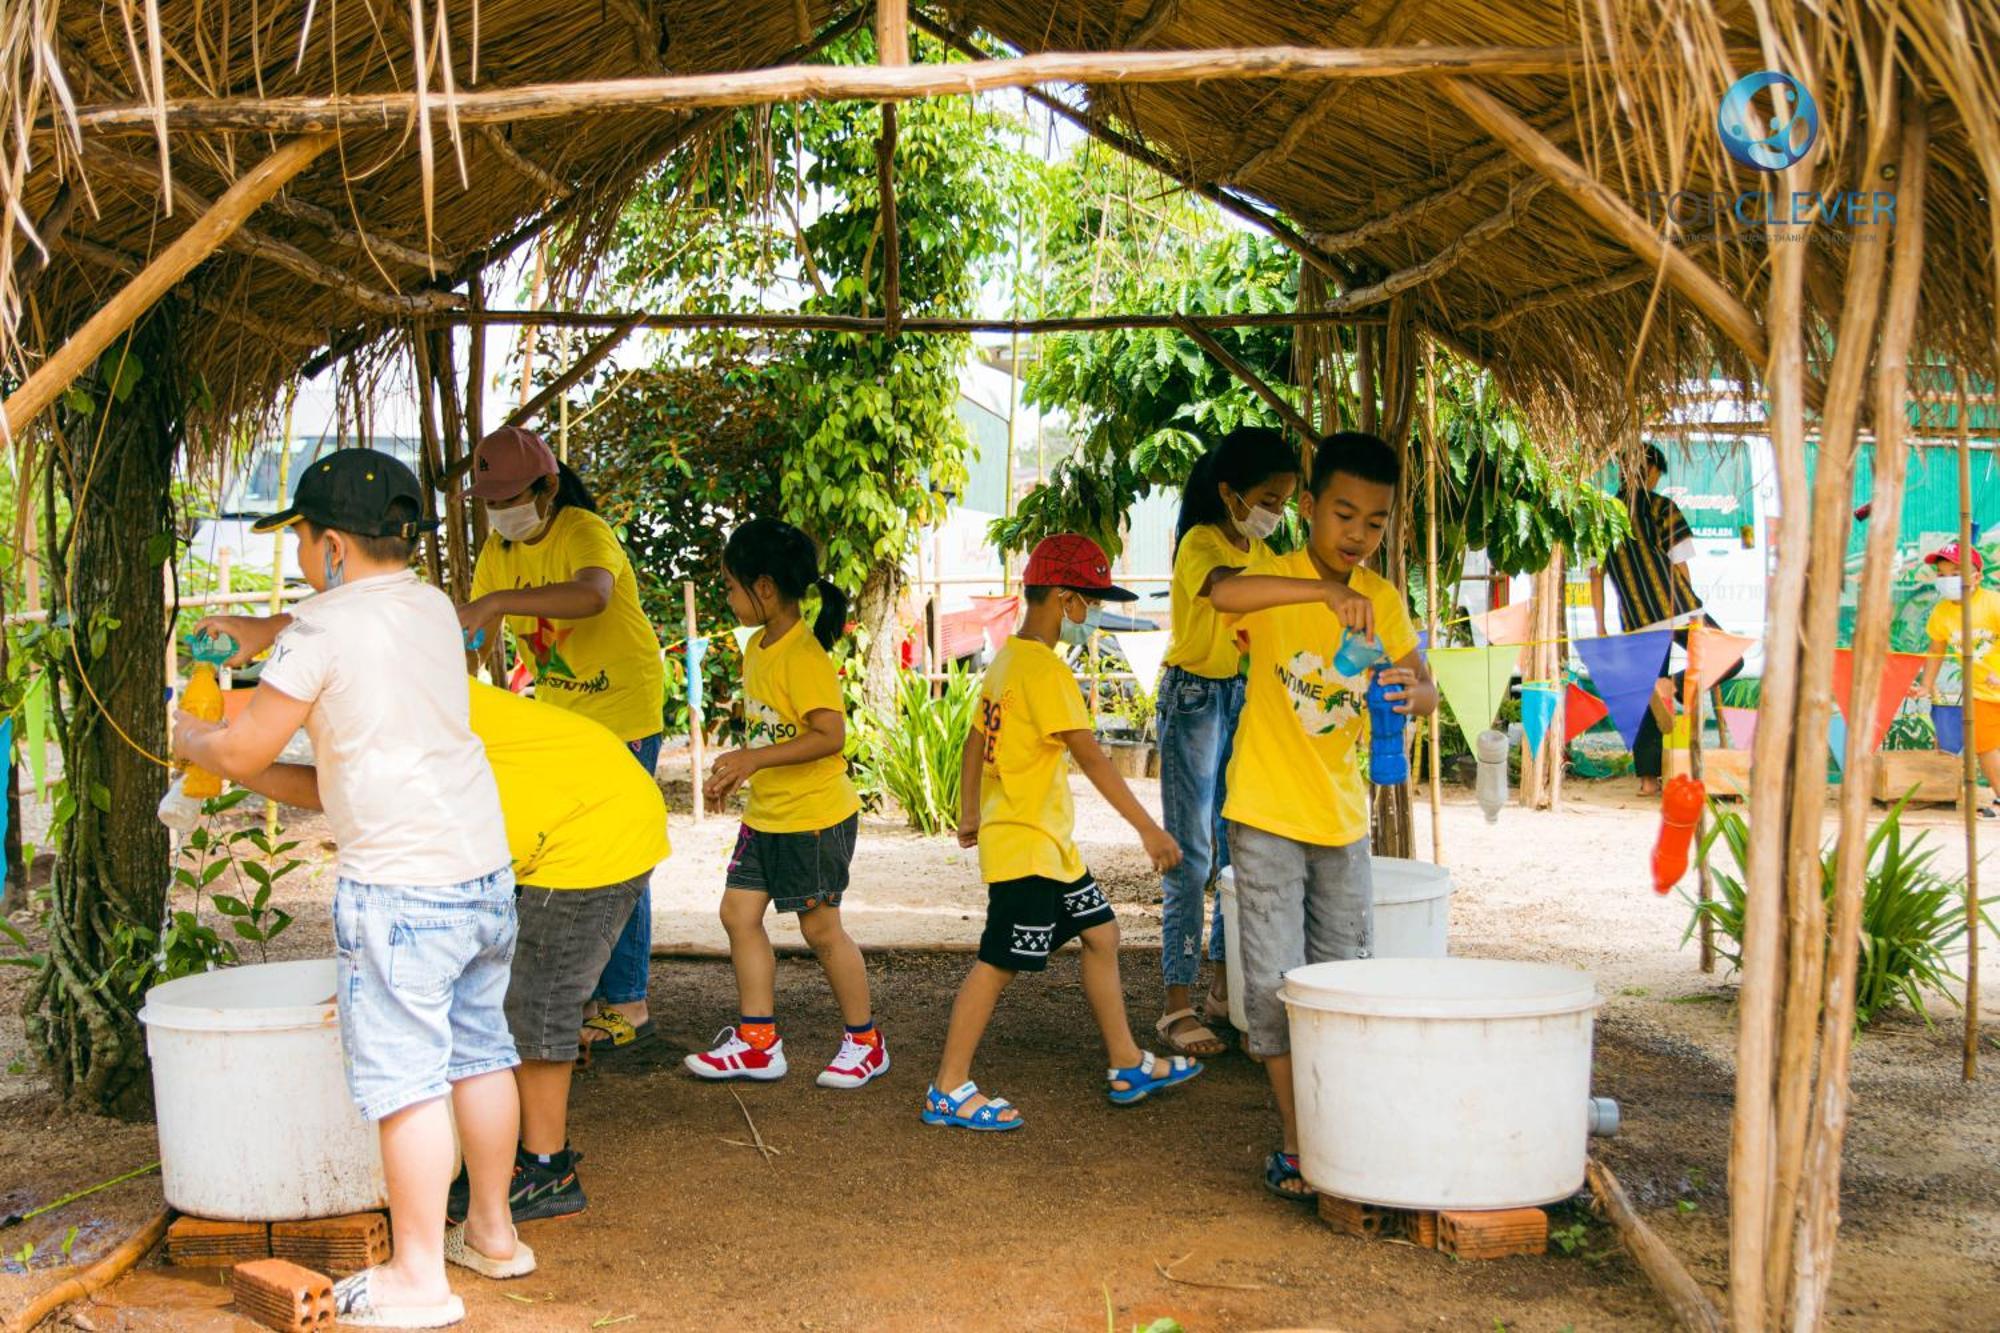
x=423, y=986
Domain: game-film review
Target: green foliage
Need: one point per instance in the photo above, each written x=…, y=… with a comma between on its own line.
x=913, y=755
x=1911, y=915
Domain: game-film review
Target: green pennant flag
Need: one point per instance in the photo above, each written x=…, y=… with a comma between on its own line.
x=1474, y=682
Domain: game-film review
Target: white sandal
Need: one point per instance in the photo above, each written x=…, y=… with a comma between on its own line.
x=1185, y=1043
x=457, y=1250
x=354, y=1305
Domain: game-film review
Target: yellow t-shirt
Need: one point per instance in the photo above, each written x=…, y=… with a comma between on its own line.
x=1946, y=626
x=1300, y=745
x=580, y=814
x=782, y=682
x=1028, y=699
x=1201, y=644
x=606, y=667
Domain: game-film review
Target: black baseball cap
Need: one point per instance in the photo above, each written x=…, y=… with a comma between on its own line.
x=353, y=490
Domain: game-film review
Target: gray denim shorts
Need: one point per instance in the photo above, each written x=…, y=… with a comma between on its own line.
x=566, y=938
x=1296, y=903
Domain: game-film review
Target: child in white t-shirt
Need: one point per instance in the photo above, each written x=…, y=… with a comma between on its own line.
x=424, y=923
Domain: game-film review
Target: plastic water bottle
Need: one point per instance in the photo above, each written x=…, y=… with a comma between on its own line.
x=1388, y=765
x=1680, y=811
x=202, y=698
x=179, y=811
x=1357, y=653
x=1491, y=784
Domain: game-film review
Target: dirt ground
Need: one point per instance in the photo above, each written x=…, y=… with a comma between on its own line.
x=1097, y=1216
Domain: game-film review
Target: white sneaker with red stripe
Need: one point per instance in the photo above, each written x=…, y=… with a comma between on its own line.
x=734, y=1057
x=857, y=1063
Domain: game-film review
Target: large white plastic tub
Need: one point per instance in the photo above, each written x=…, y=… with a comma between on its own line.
x=1412, y=917
x=251, y=1091
x=1442, y=1082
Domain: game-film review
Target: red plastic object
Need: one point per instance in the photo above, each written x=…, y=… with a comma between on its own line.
x=1680, y=811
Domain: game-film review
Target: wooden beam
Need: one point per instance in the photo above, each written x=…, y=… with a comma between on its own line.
x=1251, y=379
x=291, y=335
x=1447, y=258
x=211, y=230
x=892, y=242
x=546, y=181
x=892, y=33
x=578, y=368
x=249, y=241
x=1322, y=104
x=1149, y=25
x=1685, y=1299
x=48, y=230
x=1708, y=294
x=819, y=83
x=583, y=319
x=355, y=239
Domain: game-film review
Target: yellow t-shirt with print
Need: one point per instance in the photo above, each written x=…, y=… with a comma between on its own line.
x=782, y=683
x=1027, y=700
x=1201, y=644
x=605, y=667
x=1947, y=624
x=580, y=814
x=1297, y=766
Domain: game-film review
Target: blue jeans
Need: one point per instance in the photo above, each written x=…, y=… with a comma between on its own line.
x=624, y=978
x=1197, y=727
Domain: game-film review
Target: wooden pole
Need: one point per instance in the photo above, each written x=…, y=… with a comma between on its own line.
x=696, y=741
x=695, y=319
x=892, y=242
x=1969, y=1067
x=430, y=470
x=197, y=243
x=825, y=83
x=1251, y=379
x=892, y=33
x=583, y=365
x=1686, y=1301
x=1431, y=590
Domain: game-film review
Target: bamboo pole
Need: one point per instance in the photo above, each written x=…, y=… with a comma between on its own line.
x=1251, y=379
x=892, y=33
x=1819, y=1213
x=696, y=319
x=430, y=470
x=821, y=83
x=198, y=242
x=1969, y=1064
x=583, y=365
x=696, y=741
x=1431, y=594
x=892, y=242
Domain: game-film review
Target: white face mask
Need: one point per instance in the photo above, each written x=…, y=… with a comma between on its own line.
x=1951, y=587
x=1258, y=524
x=517, y=523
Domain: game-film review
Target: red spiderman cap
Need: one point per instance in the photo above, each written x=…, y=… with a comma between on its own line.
x=1949, y=551
x=1072, y=560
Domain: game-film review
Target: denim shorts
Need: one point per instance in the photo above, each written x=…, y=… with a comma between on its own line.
x=565, y=940
x=800, y=871
x=422, y=986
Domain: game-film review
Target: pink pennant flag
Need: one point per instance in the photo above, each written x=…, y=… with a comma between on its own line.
x=1711, y=653
x=1898, y=671
x=1742, y=723
x=1506, y=624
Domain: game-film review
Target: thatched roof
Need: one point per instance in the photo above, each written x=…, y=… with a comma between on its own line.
x=1385, y=178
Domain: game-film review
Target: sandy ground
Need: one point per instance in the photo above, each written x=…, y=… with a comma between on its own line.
x=870, y=1220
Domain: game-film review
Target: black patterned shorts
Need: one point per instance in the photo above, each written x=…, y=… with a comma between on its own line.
x=1028, y=919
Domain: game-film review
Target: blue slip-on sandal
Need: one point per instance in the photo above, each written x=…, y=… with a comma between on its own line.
x=1140, y=1085
x=942, y=1108
x=1280, y=1169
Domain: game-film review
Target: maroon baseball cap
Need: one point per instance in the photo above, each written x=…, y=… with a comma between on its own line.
x=1949, y=551
x=1072, y=560
x=507, y=462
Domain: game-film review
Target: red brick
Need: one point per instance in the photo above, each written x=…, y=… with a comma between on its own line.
x=279, y=1294
x=200, y=1242
x=1497, y=1234
x=337, y=1245
x=1372, y=1221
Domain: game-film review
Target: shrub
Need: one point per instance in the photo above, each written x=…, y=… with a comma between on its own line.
x=1911, y=915
x=913, y=757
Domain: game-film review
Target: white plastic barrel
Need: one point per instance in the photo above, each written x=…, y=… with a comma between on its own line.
x=250, y=1088
x=1442, y=1082
x=1412, y=917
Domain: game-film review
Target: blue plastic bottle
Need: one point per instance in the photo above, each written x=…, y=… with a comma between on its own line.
x=1388, y=766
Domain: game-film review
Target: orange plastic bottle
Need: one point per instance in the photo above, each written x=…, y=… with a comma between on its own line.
x=203, y=699
x=1680, y=811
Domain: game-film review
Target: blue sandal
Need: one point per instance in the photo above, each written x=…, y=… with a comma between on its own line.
x=1280, y=1169
x=941, y=1108
x=1140, y=1085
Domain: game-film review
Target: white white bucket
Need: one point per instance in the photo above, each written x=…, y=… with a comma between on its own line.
x=250, y=1087
x=1442, y=1083
x=1412, y=917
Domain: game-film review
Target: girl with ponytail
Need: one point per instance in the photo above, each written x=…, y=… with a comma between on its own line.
x=798, y=833
x=1234, y=498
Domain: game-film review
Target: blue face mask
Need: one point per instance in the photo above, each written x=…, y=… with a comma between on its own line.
x=335, y=574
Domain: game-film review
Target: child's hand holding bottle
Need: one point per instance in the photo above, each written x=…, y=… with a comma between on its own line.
x=1354, y=611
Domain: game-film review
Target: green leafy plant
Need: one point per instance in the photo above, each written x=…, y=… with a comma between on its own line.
x=1137, y=710
x=1911, y=915
x=913, y=756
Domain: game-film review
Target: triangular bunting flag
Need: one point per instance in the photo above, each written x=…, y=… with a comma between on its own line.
x=1145, y=652
x=1623, y=669
x=1897, y=672
x=743, y=634
x=1742, y=724
x=1711, y=654
x=1836, y=740
x=1540, y=702
x=1505, y=624
x=697, y=649
x=1474, y=682
x=1582, y=710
